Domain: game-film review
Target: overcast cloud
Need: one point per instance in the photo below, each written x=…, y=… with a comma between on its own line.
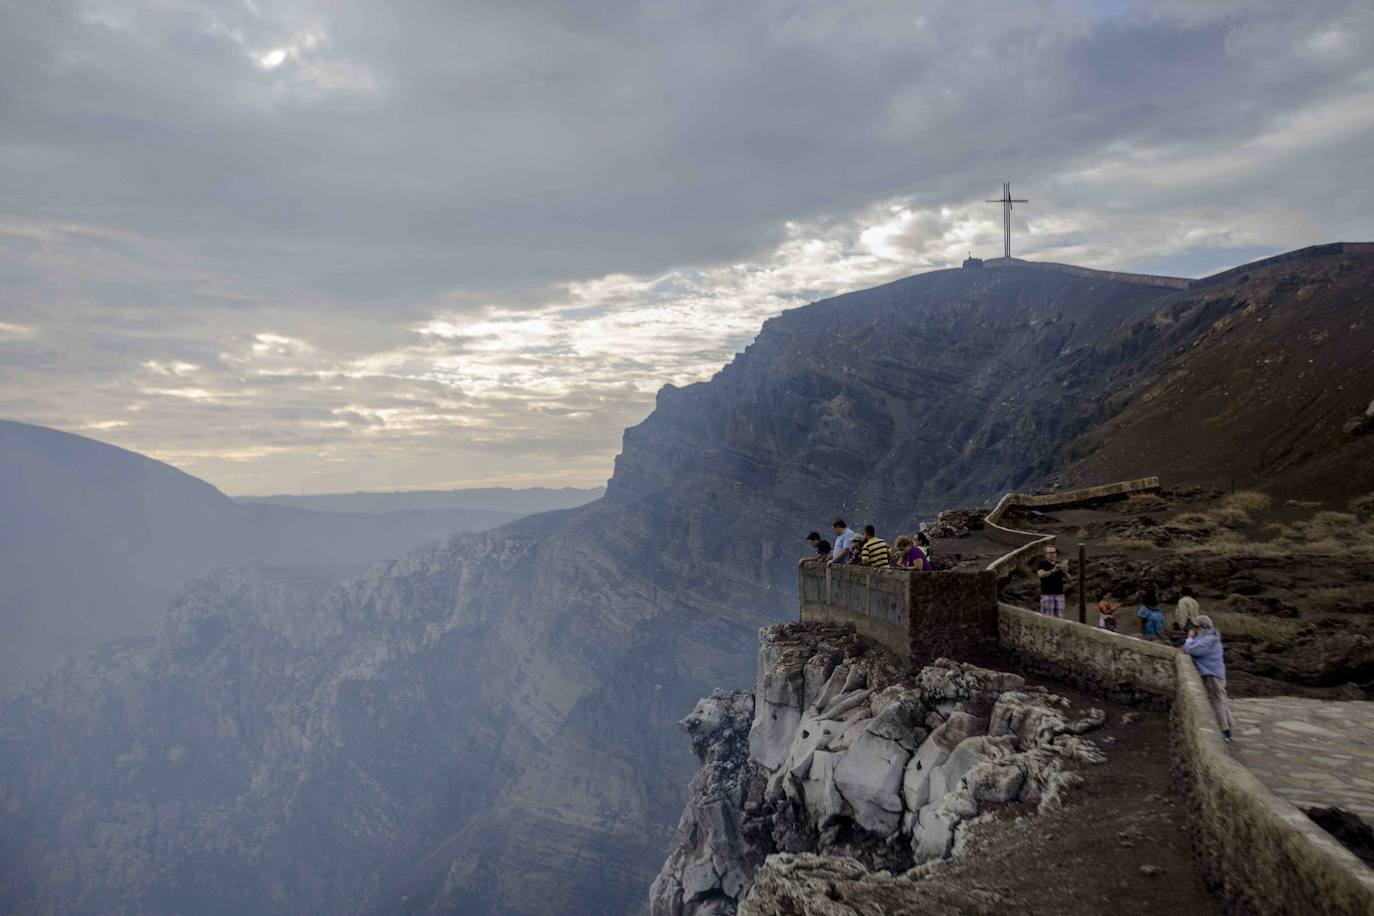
x=312, y=246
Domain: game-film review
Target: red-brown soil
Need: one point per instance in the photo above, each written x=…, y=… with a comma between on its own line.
x=1264, y=376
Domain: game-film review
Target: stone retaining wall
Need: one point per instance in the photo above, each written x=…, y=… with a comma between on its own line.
x=920, y=616
x=1124, y=670
x=1029, y=543
x=1260, y=854
x=876, y=601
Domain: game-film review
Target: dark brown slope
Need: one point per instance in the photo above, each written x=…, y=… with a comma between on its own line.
x=1254, y=379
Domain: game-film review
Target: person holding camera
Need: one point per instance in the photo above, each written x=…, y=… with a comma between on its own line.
x=1052, y=573
x=1204, y=645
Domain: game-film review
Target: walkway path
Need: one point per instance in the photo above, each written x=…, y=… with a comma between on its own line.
x=1314, y=753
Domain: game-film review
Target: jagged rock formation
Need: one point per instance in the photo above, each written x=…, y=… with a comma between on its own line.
x=837, y=752
x=506, y=699
x=806, y=884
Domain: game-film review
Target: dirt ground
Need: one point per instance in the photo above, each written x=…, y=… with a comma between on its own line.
x=1118, y=846
x=1289, y=585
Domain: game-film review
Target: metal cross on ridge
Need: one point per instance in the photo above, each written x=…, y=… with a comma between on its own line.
x=1006, y=200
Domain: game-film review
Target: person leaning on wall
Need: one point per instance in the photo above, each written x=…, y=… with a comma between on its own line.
x=1204, y=645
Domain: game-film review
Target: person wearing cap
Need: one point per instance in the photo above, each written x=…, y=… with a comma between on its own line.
x=818, y=544
x=1204, y=645
x=856, y=549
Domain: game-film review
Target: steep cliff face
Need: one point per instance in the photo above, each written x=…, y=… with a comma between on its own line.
x=487, y=726
x=837, y=751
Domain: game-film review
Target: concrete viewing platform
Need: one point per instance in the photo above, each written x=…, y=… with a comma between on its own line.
x=1313, y=753
x=1244, y=801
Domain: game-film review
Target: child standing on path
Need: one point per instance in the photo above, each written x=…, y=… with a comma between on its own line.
x=1106, y=613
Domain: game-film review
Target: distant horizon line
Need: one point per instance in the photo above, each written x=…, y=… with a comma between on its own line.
x=421, y=491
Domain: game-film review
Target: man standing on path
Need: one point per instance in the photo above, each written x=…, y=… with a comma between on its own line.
x=1052, y=574
x=1187, y=609
x=844, y=542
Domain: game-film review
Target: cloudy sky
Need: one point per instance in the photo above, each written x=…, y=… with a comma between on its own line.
x=312, y=246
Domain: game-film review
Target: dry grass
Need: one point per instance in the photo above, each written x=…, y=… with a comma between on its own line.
x=1119, y=543
x=1326, y=535
x=1192, y=521
x=1364, y=505
x=1302, y=503
x=1231, y=517
x=1247, y=501
x=1269, y=629
x=1330, y=524
x=1340, y=596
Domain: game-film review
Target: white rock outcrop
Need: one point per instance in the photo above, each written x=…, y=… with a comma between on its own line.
x=847, y=755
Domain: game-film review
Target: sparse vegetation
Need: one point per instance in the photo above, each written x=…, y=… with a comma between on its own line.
x=1120, y=543
x=1333, y=535
x=1247, y=501
x=1192, y=521
x=1364, y=505
x=1269, y=629
x=1302, y=503
x=1231, y=517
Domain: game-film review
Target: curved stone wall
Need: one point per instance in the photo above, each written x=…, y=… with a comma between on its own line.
x=1260, y=853
x=1029, y=543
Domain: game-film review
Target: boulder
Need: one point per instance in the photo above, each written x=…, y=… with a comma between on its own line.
x=822, y=798
x=916, y=777
x=775, y=727
x=1036, y=718
x=869, y=777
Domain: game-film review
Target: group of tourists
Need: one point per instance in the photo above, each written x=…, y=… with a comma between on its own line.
x=865, y=548
x=1202, y=640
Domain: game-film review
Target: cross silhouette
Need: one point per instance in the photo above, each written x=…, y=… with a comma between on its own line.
x=1006, y=200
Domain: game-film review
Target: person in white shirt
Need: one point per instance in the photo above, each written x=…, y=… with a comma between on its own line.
x=844, y=542
x=1187, y=609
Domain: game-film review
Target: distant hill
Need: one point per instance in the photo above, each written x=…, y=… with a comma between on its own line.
x=489, y=499
x=95, y=541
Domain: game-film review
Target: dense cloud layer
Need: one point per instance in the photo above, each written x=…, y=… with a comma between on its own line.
x=328, y=245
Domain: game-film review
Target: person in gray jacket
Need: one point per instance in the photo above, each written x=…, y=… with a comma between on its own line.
x=1204, y=645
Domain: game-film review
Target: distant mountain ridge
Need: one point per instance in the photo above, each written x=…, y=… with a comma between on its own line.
x=487, y=499
x=96, y=540
x=487, y=726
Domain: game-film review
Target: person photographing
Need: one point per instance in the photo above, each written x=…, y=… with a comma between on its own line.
x=1053, y=573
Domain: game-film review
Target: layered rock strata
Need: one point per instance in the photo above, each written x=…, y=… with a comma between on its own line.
x=838, y=752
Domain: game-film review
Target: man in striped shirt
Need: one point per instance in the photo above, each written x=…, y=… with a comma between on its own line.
x=875, y=551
